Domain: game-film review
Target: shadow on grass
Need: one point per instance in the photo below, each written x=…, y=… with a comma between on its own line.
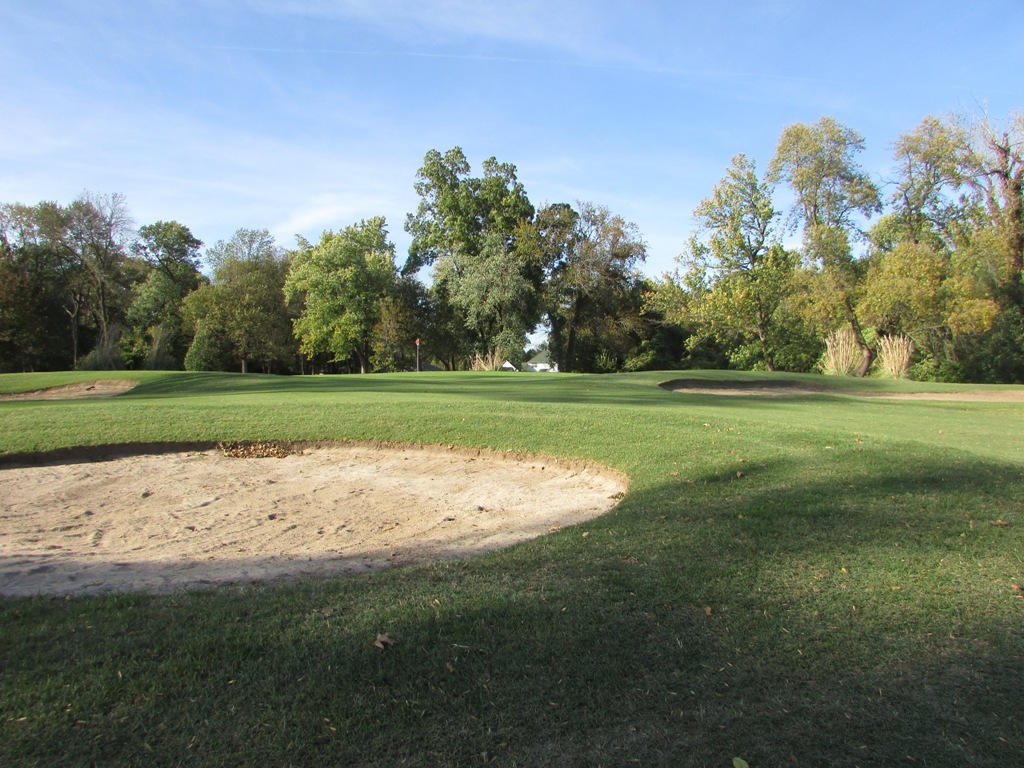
x=516, y=387
x=505, y=387
x=692, y=625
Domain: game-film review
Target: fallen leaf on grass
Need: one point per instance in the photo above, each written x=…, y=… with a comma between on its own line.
x=739, y=762
x=382, y=642
x=1001, y=523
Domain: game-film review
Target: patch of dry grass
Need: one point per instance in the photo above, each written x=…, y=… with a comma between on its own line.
x=895, y=354
x=843, y=355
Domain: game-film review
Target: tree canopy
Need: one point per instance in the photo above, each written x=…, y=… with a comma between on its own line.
x=929, y=260
x=343, y=283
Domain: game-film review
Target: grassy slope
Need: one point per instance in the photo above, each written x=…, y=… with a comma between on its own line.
x=791, y=580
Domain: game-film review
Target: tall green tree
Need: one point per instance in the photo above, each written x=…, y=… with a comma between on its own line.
x=97, y=236
x=242, y=313
x=87, y=243
x=342, y=283
x=171, y=248
x=833, y=196
x=497, y=294
x=32, y=322
x=48, y=230
x=444, y=337
x=458, y=212
x=739, y=257
x=394, y=337
x=469, y=229
x=593, y=297
x=158, y=337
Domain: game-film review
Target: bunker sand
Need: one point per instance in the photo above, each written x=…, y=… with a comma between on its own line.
x=173, y=521
x=768, y=388
x=76, y=391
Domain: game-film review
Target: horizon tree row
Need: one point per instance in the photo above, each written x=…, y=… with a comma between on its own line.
x=924, y=269
x=929, y=285
x=82, y=289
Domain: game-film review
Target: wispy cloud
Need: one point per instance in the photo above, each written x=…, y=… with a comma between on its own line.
x=212, y=177
x=301, y=115
x=571, y=27
x=382, y=53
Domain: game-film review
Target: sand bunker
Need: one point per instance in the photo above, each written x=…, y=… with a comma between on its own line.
x=764, y=388
x=101, y=388
x=174, y=521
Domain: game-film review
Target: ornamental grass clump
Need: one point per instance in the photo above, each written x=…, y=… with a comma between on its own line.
x=843, y=355
x=894, y=356
x=491, y=361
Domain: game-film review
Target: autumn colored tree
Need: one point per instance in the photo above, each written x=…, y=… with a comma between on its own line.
x=833, y=197
x=739, y=255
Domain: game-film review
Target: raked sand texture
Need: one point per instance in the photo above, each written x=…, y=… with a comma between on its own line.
x=176, y=521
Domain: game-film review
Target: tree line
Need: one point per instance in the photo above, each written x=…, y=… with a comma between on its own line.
x=81, y=288
x=916, y=275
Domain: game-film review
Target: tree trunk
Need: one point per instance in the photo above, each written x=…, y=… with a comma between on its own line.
x=867, y=355
x=762, y=334
x=72, y=312
x=1015, y=225
x=570, y=342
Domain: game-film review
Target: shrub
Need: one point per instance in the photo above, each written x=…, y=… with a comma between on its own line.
x=106, y=356
x=210, y=351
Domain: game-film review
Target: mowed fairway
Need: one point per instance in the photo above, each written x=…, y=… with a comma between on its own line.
x=793, y=580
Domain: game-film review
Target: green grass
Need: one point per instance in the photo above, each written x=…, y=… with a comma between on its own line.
x=794, y=581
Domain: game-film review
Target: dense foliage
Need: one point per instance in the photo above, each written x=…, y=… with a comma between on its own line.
x=934, y=280
x=925, y=281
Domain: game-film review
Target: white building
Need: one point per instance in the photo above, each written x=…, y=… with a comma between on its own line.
x=541, y=363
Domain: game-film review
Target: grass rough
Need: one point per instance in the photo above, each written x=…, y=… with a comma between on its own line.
x=798, y=580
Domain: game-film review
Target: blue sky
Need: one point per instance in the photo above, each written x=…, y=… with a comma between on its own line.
x=305, y=115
